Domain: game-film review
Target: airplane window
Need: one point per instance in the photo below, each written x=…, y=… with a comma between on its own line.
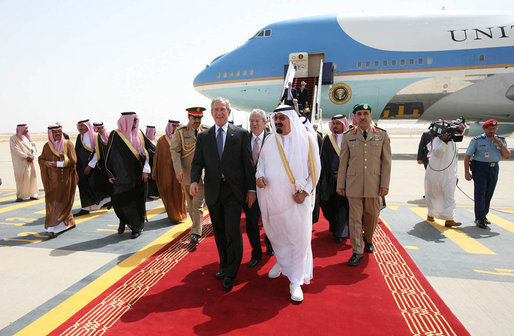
x=238, y=73
x=393, y=62
x=481, y=58
x=420, y=61
x=219, y=75
x=384, y=63
x=402, y=62
x=231, y=74
x=225, y=74
x=411, y=61
x=251, y=72
x=267, y=32
x=377, y=63
x=430, y=60
x=244, y=72
x=368, y=64
x=359, y=64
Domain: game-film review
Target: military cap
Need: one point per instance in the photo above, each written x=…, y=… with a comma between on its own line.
x=360, y=107
x=490, y=122
x=195, y=111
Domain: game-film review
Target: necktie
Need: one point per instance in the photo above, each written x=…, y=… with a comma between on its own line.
x=196, y=132
x=365, y=134
x=255, y=150
x=219, y=141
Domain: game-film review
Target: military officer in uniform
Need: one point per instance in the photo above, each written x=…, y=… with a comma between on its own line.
x=363, y=177
x=182, y=149
x=484, y=152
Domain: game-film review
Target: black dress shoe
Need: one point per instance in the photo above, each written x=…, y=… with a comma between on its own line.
x=486, y=221
x=121, y=228
x=369, y=248
x=135, y=234
x=19, y=200
x=253, y=262
x=82, y=212
x=338, y=240
x=34, y=198
x=220, y=274
x=195, y=239
x=355, y=259
x=228, y=283
x=481, y=223
x=270, y=252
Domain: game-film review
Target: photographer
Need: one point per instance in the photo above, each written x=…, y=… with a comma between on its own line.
x=441, y=173
x=487, y=149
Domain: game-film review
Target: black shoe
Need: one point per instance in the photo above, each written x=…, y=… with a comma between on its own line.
x=135, y=234
x=338, y=240
x=81, y=213
x=228, y=283
x=253, y=262
x=34, y=198
x=486, y=221
x=19, y=200
x=355, y=259
x=368, y=247
x=220, y=274
x=481, y=223
x=195, y=239
x=121, y=228
x=270, y=252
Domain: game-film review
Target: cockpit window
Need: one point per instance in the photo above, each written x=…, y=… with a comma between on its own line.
x=262, y=33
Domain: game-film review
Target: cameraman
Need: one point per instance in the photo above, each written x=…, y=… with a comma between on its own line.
x=487, y=149
x=441, y=178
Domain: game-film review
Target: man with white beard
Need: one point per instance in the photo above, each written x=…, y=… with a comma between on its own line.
x=287, y=173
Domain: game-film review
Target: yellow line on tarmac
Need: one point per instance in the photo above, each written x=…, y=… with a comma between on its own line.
x=57, y=316
x=467, y=243
x=495, y=273
x=503, y=223
x=21, y=205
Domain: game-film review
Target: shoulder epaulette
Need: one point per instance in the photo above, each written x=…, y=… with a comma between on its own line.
x=481, y=136
x=380, y=128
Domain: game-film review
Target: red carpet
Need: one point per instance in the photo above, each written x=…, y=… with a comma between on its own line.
x=175, y=293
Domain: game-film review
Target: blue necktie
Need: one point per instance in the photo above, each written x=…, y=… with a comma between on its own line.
x=219, y=141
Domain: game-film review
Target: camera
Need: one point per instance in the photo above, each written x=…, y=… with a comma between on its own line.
x=454, y=128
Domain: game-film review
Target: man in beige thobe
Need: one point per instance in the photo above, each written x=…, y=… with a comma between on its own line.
x=23, y=151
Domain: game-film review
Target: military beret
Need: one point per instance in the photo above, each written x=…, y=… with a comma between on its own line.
x=195, y=111
x=490, y=122
x=360, y=107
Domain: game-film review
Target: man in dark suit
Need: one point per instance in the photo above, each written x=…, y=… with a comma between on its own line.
x=289, y=97
x=257, y=136
x=303, y=96
x=225, y=154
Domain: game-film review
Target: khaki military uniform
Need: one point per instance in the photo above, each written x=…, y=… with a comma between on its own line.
x=182, y=149
x=364, y=168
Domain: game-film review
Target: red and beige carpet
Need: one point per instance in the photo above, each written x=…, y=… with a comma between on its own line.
x=175, y=292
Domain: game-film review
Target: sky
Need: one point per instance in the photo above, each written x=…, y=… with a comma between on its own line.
x=69, y=60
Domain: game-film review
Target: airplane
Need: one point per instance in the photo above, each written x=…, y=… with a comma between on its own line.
x=406, y=66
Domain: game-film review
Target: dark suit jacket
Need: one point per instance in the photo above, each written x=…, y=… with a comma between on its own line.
x=293, y=93
x=303, y=96
x=236, y=164
x=422, y=147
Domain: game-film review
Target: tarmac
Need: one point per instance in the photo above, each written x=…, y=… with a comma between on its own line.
x=471, y=269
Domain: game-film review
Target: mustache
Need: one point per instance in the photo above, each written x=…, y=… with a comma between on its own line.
x=279, y=125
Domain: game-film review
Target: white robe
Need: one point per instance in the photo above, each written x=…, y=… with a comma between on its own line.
x=287, y=224
x=24, y=171
x=441, y=179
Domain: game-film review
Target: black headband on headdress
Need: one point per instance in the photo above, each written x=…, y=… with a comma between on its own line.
x=83, y=121
x=127, y=113
x=98, y=123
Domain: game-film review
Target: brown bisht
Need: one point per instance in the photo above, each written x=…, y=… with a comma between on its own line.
x=59, y=183
x=169, y=188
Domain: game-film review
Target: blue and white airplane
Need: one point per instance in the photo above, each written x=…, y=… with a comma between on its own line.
x=427, y=66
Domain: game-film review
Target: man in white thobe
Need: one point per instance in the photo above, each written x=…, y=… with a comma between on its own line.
x=23, y=151
x=288, y=170
x=441, y=180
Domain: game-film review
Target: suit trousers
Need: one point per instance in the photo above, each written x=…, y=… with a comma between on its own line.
x=226, y=217
x=195, y=207
x=369, y=214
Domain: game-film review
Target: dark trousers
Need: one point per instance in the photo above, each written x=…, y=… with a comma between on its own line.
x=252, y=230
x=484, y=179
x=225, y=217
x=130, y=207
